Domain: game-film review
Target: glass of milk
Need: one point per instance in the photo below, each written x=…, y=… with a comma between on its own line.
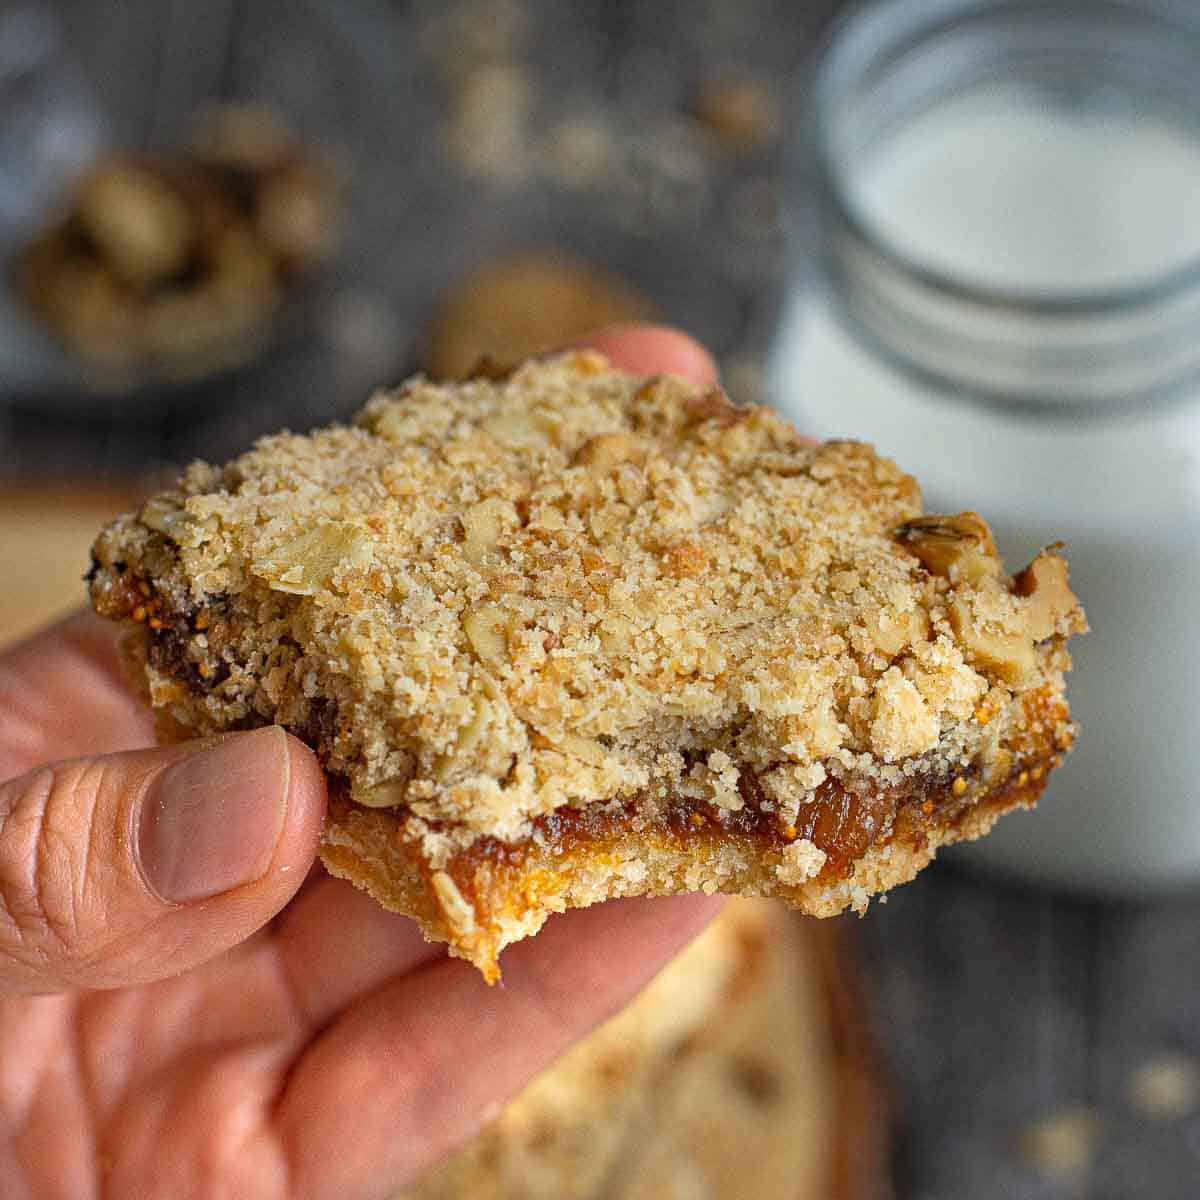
x=1002, y=292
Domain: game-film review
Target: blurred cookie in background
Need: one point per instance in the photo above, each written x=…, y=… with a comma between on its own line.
x=742, y=112
x=524, y=304
x=725, y=1080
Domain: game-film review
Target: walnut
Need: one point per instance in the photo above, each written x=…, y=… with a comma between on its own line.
x=1048, y=599
x=389, y=794
x=483, y=525
x=714, y=405
x=586, y=749
x=607, y=450
x=514, y=428
x=139, y=221
x=485, y=367
x=742, y=112
x=296, y=212
x=307, y=563
x=164, y=515
x=892, y=632
x=1008, y=655
x=960, y=548
x=486, y=627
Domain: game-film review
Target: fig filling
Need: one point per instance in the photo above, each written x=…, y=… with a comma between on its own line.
x=843, y=824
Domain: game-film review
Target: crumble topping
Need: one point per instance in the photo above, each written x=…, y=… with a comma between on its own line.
x=486, y=601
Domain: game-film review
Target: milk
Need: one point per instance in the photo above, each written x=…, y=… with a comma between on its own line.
x=1004, y=192
x=1005, y=186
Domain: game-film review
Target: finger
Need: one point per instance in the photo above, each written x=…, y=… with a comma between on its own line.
x=63, y=695
x=654, y=350
x=337, y=944
x=415, y=1069
x=135, y=866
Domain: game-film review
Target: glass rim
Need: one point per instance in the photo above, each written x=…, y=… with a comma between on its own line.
x=860, y=30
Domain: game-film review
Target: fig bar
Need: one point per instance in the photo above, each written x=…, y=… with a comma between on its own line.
x=572, y=634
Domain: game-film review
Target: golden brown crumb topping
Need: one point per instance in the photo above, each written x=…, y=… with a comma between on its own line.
x=489, y=600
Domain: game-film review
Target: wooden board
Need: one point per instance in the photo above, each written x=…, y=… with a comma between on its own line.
x=45, y=542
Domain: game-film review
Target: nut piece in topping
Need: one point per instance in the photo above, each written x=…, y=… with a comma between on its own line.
x=483, y=524
x=1010, y=656
x=607, y=450
x=389, y=794
x=307, y=563
x=960, y=548
x=486, y=629
x=1050, y=603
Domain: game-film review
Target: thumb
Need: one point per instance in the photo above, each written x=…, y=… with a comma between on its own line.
x=131, y=867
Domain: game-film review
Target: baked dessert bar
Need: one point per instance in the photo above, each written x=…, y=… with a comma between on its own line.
x=572, y=634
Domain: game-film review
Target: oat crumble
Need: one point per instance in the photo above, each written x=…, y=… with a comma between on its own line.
x=569, y=607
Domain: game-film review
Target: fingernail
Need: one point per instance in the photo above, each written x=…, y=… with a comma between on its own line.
x=213, y=820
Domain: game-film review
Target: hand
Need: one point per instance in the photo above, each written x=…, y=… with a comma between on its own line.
x=267, y=1030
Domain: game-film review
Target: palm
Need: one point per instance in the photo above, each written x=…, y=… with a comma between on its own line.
x=164, y=1084
x=215, y=1075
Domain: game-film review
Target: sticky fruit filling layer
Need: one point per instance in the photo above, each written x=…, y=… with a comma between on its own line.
x=842, y=823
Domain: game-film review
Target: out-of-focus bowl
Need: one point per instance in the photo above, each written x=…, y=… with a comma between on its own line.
x=80, y=81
